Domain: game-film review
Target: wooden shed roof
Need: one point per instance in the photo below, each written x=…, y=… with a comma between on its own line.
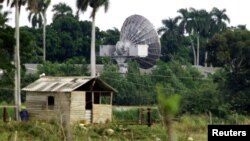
x=62, y=84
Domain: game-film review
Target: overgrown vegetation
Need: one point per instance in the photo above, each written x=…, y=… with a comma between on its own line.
x=194, y=126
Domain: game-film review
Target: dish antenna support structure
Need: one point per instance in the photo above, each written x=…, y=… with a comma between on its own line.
x=138, y=41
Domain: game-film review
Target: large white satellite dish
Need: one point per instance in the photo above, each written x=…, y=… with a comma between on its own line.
x=138, y=40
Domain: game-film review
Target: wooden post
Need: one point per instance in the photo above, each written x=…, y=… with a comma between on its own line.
x=92, y=109
x=111, y=98
x=149, y=117
x=142, y=115
x=210, y=118
x=139, y=116
x=5, y=114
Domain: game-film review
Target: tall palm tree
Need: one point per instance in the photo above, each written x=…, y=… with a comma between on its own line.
x=170, y=37
x=184, y=25
x=17, y=90
x=196, y=23
x=170, y=26
x=3, y=17
x=220, y=18
x=45, y=6
x=186, y=28
x=38, y=18
x=95, y=5
x=60, y=10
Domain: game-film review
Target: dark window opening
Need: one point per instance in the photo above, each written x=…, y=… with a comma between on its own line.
x=97, y=99
x=51, y=102
x=105, y=99
x=102, y=98
x=88, y=100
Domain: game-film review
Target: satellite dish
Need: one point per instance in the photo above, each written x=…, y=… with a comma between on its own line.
x=138, y=40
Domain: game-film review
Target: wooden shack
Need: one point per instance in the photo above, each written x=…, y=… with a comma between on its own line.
x=70, y=98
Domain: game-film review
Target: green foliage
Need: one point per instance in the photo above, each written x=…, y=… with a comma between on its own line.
x=10, y=111
x=66, y=38
x=230, y=50
x=186, y=35
x=72, y=67
x=168, y=104
x=32, y=130
x=28, y=48
x=61, y=9
x=6, y=50
x=176, y=76
x=111, y=36
x=68, y=41
x=126, y=115
x=132, y=115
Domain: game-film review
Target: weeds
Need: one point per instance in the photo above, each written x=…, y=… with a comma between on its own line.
x=188, y=126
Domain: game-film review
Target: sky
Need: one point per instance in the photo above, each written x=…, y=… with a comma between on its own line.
x=154, y=10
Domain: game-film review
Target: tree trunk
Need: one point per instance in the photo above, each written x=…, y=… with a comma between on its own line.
x=44, y=35
x=198, y=49
x=92, y=51
x=17, y=64
x=206, y=53
x=194, y=53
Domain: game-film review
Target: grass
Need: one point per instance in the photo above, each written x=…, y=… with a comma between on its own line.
x=10, y=111
x=194, y=126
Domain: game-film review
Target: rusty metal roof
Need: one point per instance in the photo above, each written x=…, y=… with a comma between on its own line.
x=57, y=84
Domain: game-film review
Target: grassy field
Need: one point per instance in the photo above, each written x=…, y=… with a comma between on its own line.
x=122, y=128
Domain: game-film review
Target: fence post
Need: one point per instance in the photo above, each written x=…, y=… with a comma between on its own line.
x=139, y=116
x=142, y=115
x=5, y=114
x=149, y=117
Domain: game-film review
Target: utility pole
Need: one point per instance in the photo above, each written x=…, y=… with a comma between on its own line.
x=17, y=92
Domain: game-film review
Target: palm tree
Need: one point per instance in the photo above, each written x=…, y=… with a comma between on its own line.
x=3, y=17
x=195, y=23
x=45, y=6
x=170, y=26
x=185, y=27
x=95, y=5
x=37, y=17
x=17, y=91
x=171, y=37
x=220, y=18
x=60, y=10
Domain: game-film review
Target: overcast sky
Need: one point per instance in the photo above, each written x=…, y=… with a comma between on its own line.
x=154, y=10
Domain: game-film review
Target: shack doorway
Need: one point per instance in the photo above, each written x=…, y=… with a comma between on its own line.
x=89, y=107
x=89, y=103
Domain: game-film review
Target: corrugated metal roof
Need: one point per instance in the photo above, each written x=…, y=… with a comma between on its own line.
x=57, y=84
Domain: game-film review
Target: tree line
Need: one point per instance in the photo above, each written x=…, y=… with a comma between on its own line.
x=195, y=37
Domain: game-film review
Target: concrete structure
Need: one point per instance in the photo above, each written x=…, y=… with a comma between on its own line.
x=72, y=99
x=205, y=71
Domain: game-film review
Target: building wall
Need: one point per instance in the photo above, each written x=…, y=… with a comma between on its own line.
x=102, y=113
x=77, y=106
x=38, y=109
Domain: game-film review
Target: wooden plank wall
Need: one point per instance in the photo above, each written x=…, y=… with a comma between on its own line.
x=37, y=105
x=102, y=113
x=77, y=106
